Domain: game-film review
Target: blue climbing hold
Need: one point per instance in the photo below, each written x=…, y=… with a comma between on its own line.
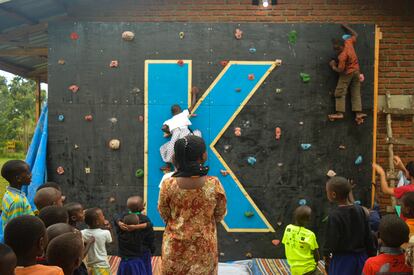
x=357, y=202
x=302, y=202
x=252, y=50
x=306, y=146
x=251, y=160
x=358, y=160
x=346, y=36
x=61, y=117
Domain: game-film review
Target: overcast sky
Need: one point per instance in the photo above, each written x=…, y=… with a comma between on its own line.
x=10, y=76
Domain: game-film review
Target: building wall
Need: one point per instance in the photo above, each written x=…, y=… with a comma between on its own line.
x=395, y=19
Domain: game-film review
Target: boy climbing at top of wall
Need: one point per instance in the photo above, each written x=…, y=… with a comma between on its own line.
x=301, y=247
x=15, y=203
x=349, y=77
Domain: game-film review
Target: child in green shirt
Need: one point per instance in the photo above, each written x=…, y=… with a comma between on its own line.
x=301, y=248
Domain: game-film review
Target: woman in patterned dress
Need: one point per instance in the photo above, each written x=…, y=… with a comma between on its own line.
x=191, y=203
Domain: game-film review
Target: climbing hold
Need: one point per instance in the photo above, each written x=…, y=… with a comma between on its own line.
x=331, y=173
x=292, y=37
x=139, y=173
x=358, y=160
x=224, y=63
x=73, y=88
x=222, y=254
x=236, y=240
x=278, y=90
x=135, y=90
x=302, y=202
x=305, y=77
x=113, y=120
x=357, y=202
x=300, y=122
x=76, y=146
x=181, y=35
x=237, y=131
x=251, y=160
x=111, y=200
x=74, y=36
x=141, y=118
x=342, y=147
x=325, y=219
x=227, y=148
x=280, y=164
x=88, y=117
x=279, y=223
x=128, y=35
x=249, y=255
x=346, y=36
x=251, y=76
x=224, y=172
x=252, y=50
x=361, y=77
x=113, y=64
x=61, y=61
x=238, y=90
x=275, y=242
x=60, y=170
x=278, y=62
x=114, y=144
x=87, y=170
x=238, y=33
x=306, y=146
x=278, y=133
x=180, y=62
x=246, y=124
x=249, y=214
x=61, y=117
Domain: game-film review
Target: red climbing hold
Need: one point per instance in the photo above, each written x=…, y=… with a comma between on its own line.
x=88, y=117
x=113, y=64
x=224, y=63
x=74, y=36
x=275, y=242
x=238, y=33
x=60, y=170
x=73, y=88
x=251, y=76
x=278, y=133
x=180, y=62
x=224, y=172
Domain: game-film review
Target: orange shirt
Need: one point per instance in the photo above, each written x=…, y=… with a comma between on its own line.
x=410, y=223
x=39, y=269
x=348, y=60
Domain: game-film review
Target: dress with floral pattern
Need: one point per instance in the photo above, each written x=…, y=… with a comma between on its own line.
x=190, y=238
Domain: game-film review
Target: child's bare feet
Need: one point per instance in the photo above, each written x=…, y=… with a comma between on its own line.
x=336, y=116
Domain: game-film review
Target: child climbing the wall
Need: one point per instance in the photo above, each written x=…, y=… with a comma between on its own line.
x=301, y=247
x=391, y=260
x=397, y=192
x=176, y=128
x=349, y=77
x=348, y=239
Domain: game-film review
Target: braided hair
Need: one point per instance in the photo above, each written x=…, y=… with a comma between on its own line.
x=188, y=152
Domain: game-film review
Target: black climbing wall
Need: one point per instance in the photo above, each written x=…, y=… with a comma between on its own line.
x=283, y=174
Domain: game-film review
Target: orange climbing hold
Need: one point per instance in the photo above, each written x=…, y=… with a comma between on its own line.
x=88, y=117
x=278, y=133
x=275, y=242
x=74, y=88
x=238, y=34
x=251, y=76
x=224, y=63
x=237, y=131
x=113, y=64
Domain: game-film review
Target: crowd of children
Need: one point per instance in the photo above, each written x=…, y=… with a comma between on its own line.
x=58, y=239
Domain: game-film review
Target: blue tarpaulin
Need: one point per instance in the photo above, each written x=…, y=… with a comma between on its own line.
x=36, y=158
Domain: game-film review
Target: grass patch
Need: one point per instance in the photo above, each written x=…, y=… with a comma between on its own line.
x=4, y=159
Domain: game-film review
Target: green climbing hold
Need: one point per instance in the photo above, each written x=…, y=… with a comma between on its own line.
x=248, y=214
x=305, y=77
x=293, y=36
x=139, y=173
x=325, y=219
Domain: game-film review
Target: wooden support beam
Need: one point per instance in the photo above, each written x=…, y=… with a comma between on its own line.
x=18, y=15
x=38, y=95
x=398, y=111
x=24, y=52
x=12, y=68
x=390, y=147
x=400, y=141
x=14, y=35
x=37, y=72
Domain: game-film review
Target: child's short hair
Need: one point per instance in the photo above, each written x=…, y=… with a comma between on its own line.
x=13, y=168
x=175, y=109
x=46, y=197
x=50, y=184
x=408, y=205
x=131, y=219
x=302, y=215
x=72, y=208
x=410, y=168
x=135, y=203
x=91, y=216
x=65, y=251
x=58, y=229
x=340, y=186
x=53, y=214
x=393, y=231
x=8, y=260
x=23, y=233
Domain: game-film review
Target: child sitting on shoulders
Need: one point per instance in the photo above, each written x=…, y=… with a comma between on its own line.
x=391, y=260
x=26, y=235
x=348, y=239
x=138, y=232
x=301, y=247
x=97, y=256
x=8, y=260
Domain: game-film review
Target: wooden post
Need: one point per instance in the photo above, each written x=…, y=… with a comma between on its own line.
x=38, y=97
x=390, y=152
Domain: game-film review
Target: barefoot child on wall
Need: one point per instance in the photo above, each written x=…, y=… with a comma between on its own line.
x=176, y=128
x=349, y=77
